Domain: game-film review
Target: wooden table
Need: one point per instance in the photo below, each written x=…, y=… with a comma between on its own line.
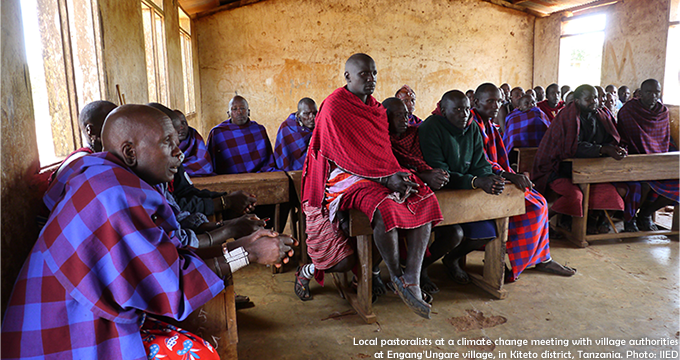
x=642, y=167
x=458, y=206
x=271, y=188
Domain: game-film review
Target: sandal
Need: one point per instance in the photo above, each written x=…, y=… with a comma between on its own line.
x=418, y=306
x=302, y=286
x=553, y=267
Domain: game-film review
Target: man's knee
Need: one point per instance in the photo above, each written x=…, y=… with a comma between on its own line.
x=344, y=265
x=451, y=234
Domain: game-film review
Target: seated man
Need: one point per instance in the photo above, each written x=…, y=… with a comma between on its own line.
x=644, y=127
x=293, y=137
x=90, y=122
x=197, y=160
x=564, y=90
x=525, y=126
x=610, y=103
x=408, y=96
x=540, y=93
x=624, y=95
x=531, y=93
x=470, y=95
x=239, y=145
x=192, y=200
x=108, y=258
x=528, y=234
x=406, y=148
x=552, y=104
x=515, y=95
x=580, y=130
x=350, y=165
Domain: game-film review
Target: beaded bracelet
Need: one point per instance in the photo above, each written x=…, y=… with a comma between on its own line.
x=236, y=259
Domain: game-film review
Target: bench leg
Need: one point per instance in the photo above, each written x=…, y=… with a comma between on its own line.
x=361, y=301
x=676, y=218
x=215, y=322
x=494, y=263
x=580, y=224
x=277, y=224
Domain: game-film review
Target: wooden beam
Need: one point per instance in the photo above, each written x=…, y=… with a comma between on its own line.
x=229, y=6
x=510, y=5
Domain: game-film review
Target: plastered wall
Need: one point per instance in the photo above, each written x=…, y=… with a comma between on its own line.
x=634, y=49
x=278, y=51
x=20, y=199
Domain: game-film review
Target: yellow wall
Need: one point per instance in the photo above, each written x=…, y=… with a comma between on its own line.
x=634, y=47
x=275, y=52
x=20, y=202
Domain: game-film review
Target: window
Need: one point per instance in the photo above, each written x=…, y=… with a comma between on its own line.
x=154, y=43
x=671, y=83
x=187, y=62
x=63, y=51
x=581, y=47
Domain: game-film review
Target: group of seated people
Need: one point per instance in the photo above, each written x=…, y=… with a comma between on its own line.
x=128, y=242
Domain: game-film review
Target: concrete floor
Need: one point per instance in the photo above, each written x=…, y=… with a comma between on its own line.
x=624, y=290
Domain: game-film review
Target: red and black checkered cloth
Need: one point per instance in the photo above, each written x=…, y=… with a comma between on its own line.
x=528, y=234
x=551, y=113
x=646, y=131
x=106, y=257
x=354, y=136
x=406, y=149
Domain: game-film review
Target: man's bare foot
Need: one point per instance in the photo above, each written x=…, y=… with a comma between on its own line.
x=426, y=283
x=553, y=267
x=458, y=275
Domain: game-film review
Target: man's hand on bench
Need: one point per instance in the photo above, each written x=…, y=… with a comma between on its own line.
x=613, y=151
x=492, y=184
x=522, y=181
x=242, y=226
x=269, y=248
x=435, y=178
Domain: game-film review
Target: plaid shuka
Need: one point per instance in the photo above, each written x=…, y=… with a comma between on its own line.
x=551, y=113
x=524, y=129
x=240, y=149
x=528, y=234
x=106, y=257
x=414, y=121
x=197, y=161
x=354, y=136
x=407, y=150
x=290, y=149
x=645, y=131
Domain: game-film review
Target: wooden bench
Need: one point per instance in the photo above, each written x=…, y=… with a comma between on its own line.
x=215, y=322
x=522, y=159
x=458, y=206
x=642, y=167
x=298, y=223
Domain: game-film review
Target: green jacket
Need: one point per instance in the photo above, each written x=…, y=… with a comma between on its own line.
x=459, y=152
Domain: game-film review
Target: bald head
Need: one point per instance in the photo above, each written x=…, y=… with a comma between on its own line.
x=650, y=93
x=91, y=120
x=553, y=95
x=178, y=122
x=306, y=112
x=397, y=115
x=515, y=94
x=455, y=107
x=526, y=102
x=239, y=110
x=361, y=75
x=144, y=138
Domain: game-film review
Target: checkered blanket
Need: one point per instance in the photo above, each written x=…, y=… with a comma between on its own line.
x=292, y=140
x=237, y=149
x=106, y=257
x=524, y=129
x=197, y=161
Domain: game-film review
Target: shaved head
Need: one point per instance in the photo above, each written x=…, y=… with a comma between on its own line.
x=239, y=110
x=650, y=93
x=361, y=75
x=397, y=115
x=455, y=107
x=306, y=112
x=144, y=138
x=91, y=120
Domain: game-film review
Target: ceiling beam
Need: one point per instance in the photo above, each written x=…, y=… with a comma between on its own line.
x=509, y=5
x=225, y=7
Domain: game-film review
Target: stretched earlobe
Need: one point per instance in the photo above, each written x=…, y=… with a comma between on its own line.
x=129, y=154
